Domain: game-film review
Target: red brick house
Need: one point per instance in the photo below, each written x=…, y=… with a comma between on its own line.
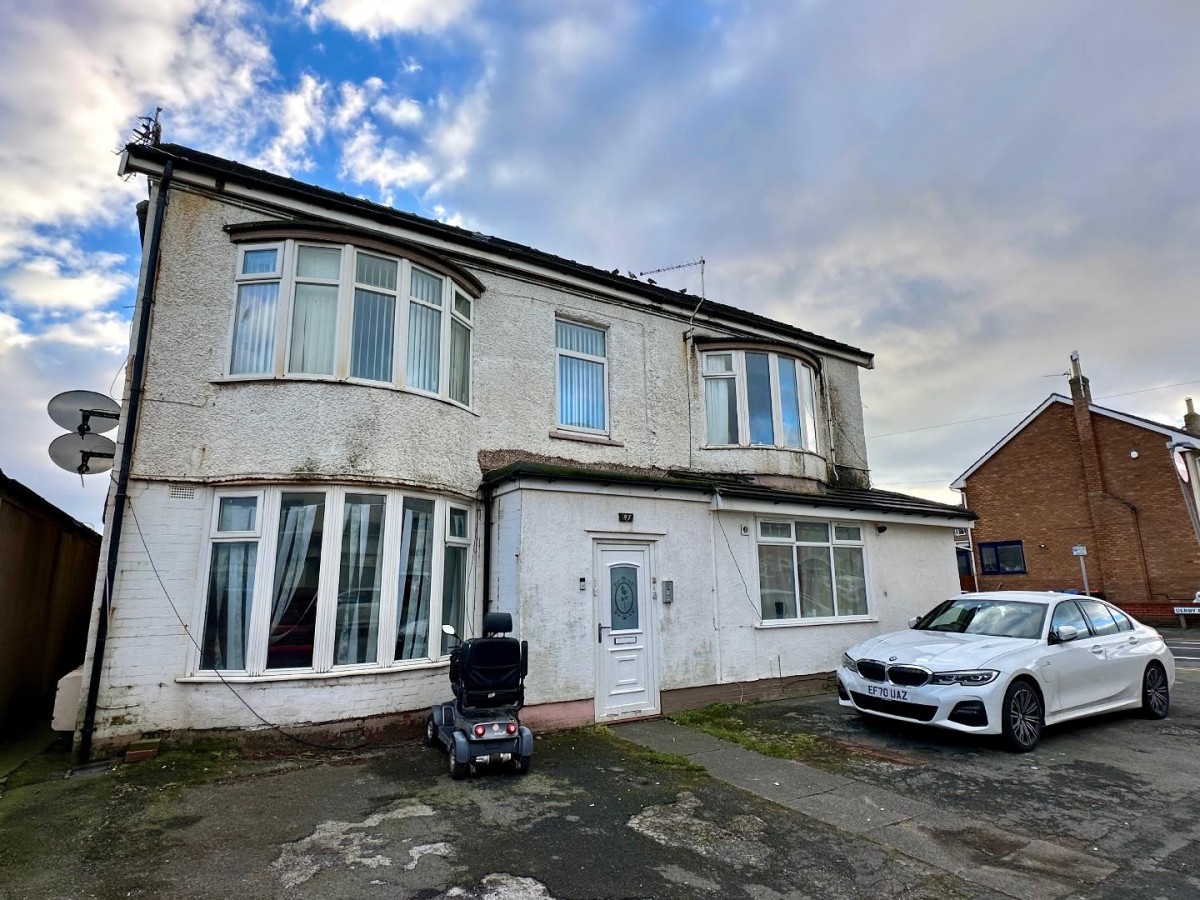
x=1074, y=474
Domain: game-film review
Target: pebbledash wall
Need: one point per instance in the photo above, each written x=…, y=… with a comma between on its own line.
x=201, y=432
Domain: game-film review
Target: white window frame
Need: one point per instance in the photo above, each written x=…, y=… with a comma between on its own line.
x=267, y=535
x=468, y=323
x=831, y=544
x=808, y=417
x=603, y=360
x=285, y=275
x=278, y=276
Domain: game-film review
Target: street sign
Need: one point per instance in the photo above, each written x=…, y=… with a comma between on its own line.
x=1187, y=610
x=1079, y=550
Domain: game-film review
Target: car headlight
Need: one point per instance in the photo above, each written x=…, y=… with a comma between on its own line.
x=848, y=663
x=972, y=677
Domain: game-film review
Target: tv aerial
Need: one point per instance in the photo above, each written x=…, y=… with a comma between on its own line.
x=85, y=414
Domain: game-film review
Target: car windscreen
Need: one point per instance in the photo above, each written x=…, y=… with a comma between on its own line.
x=998, y=618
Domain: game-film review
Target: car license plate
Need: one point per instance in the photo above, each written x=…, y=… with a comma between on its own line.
x=887, y=693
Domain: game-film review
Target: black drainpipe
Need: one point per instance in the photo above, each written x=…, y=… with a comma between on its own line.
x=487, y=546
x=131, y=421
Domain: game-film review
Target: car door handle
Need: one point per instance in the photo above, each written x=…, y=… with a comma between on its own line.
x=1133, y=640
x=1099, y=651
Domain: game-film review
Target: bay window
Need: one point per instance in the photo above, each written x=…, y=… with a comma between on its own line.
x=312, y=310
x=811, y=569
x=757, y=398
x=306, y=580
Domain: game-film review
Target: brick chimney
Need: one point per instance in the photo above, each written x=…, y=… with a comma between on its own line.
x=1081, y=399
x=1081, y=391
x=1191, y=420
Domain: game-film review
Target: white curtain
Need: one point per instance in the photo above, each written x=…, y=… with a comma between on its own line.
x=230, y=593
x=295, y=534
x=720, y=402
x=254, y=329
x=460, y=362
x=416, y=580
x=360, y=582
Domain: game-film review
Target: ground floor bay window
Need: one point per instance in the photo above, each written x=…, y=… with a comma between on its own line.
x=304, y=579
x=811, y=570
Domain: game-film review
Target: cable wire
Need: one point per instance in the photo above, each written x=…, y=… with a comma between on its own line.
x=738, y=566
x=188, y=631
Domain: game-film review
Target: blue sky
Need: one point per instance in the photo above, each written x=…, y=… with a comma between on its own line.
x=971, y=191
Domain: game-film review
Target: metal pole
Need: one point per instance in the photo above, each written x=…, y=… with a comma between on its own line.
x=1083, y=569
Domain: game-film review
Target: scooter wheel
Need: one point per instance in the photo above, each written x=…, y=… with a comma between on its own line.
x=522, y=764
x=430, y=732
x=458, y=771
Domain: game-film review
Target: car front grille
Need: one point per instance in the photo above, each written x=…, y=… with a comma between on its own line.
x=909, y=676
x=871, y=669
x=918, y=712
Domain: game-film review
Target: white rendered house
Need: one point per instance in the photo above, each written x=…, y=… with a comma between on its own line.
x=355, y=425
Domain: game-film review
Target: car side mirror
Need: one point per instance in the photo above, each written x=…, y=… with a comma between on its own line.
x=912, y=623
x=449, y=629
x=1064, y=634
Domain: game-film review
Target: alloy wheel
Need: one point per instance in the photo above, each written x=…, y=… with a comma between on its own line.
x=1157, y=694
x=1025, y=716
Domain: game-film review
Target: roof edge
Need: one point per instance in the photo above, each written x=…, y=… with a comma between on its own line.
x=139, y=158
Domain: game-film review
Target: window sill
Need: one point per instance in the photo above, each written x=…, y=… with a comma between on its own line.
x=806, y=623
x=557, y=435
x=761, y=447
x=213, y=678
x=355, y=382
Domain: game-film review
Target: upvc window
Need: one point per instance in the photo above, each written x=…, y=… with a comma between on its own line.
x=349, y=313
x=756, y=398
x=1002, y=558
x=582, y=377
x=809, y=569
x=303, y=580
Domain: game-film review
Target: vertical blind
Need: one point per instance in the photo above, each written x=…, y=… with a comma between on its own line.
x=460, y=362
x=581, y=387
x=371, y=340
x=424, y=346
x=314, y=329
x=254, y=329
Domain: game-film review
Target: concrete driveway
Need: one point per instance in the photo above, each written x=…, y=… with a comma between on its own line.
x=1101, y=810
x=1106, y=807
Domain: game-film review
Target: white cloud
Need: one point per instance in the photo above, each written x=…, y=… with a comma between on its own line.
x=42, y=283
x=300, y=117
x=106, y=331
x=10, y=332
x=403, y=112
x=376, y=18
x=367, y=160
x=351, y=107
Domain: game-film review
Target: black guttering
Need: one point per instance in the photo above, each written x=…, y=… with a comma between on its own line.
x=120, y=495
x=223, y=171
x=864, y=499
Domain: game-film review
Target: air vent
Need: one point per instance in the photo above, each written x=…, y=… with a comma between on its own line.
x=181, y=492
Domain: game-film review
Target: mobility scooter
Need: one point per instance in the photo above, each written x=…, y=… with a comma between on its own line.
x=480, y=726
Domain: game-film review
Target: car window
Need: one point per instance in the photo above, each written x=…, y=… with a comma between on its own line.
x=974, y=615
x=1123, y=623
x=1067, y=613
x=1100, y=618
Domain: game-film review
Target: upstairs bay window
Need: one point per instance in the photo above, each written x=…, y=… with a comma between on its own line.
x=304, y=309
x=305, y=581
x=756, y=398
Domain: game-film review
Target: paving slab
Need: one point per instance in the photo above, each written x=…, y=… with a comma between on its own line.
x=665, y=736
x=862, y=808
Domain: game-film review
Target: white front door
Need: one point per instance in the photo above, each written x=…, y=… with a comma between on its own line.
x=626, y=673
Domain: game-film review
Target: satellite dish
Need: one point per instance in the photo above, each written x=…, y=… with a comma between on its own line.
x=87, y=454
x=84, y=411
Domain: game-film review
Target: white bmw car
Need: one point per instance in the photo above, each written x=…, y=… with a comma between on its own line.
x=1010, y=663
